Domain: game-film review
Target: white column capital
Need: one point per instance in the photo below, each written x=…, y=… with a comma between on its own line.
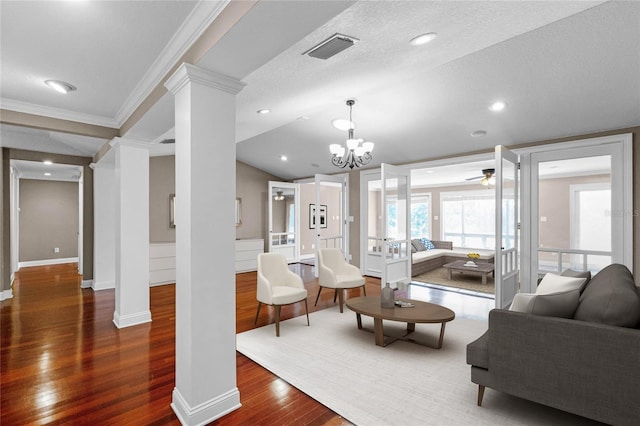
x=188, y=73
x=117, y=141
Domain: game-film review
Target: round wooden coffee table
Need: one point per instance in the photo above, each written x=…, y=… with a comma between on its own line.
x=422, y=312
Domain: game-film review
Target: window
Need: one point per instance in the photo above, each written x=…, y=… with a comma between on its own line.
x=420, y=215
x=468, y=218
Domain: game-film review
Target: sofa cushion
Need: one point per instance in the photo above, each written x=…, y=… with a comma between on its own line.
x=478, y=351
x=428, y=245
x=553, y=283
x=611, y=297
x=560, y=305
x=417, y=244
x=578, y=274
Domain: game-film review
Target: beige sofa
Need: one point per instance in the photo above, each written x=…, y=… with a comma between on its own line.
x=428, y=260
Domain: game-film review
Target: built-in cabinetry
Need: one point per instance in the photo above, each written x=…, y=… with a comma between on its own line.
x=247, y=251
x=162, y=263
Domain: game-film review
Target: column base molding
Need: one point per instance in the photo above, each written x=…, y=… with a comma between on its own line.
x=207, y=411
x=103, y=285
x=122, y=321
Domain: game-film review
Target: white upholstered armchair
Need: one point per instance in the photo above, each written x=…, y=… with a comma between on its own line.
x=334, y=272
x=278, y=286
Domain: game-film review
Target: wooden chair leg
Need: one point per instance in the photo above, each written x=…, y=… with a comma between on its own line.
x=335, y=295
x=306, y=308
x=364, y=289
x=318, y=296
x=277, y=320
x=258, y=313
x=480, y=394
x=341, y=298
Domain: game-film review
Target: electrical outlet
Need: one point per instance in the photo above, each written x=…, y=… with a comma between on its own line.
x=56, y=249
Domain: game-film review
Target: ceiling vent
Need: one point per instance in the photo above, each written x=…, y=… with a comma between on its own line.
x=167, y=141
x=331, y=46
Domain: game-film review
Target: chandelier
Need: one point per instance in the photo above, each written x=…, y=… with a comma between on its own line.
x=279, y=196
x=357, y=153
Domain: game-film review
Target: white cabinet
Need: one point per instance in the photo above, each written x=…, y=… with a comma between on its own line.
x=162, y=263
x=247, y=252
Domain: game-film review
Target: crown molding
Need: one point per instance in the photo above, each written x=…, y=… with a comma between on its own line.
x=191, y=73
x=61, y=114
x=200, y=18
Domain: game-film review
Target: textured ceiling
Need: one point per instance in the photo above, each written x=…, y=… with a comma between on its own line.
x=563, y=67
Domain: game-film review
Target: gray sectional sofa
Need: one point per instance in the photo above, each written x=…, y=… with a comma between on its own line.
x=587, y=364
x=427, y=260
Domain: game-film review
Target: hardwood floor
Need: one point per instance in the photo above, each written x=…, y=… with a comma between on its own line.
x=63, y=361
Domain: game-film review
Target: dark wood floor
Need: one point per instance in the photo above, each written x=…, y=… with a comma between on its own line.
x=64, y=362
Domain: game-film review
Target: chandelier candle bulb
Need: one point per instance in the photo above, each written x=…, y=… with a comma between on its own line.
x=357, y=152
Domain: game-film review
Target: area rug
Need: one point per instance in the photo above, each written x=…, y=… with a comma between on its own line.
x=401, y=384
x=466, y=281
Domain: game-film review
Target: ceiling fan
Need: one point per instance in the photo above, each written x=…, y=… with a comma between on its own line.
x=486, y=178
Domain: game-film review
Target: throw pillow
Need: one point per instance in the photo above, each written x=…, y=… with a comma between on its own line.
x=560, y=305
x=552, y=283
x=611, y=298
x=578, y=274
x=427, y=243
x=418, y=245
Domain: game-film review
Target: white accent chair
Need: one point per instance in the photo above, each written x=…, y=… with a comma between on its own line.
x=278, y=286
x=334, y=272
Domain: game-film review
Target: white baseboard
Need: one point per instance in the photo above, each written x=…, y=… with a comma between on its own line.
x=206, y=412
x=103, y=285
x=6, y=294
x=45, y=262
x=86, y=284
x=122, y=321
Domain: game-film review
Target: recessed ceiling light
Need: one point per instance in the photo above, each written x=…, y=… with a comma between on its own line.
x=60, y=86
x=283, y=157
x=479, y=133
x=497, y=106
x=343, y=124
x=422, y=39
x=47, y=174
x=263, y=111
x=48, y=162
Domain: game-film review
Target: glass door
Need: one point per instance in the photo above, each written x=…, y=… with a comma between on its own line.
x=578, y=196
x=371, y=223
x=507, y=269
x=396, y=225
x=328, y=215
x=284, y=222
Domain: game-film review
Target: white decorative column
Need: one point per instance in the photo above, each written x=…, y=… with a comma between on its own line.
x=205, y=233
x=104, y=223
x=132, y=233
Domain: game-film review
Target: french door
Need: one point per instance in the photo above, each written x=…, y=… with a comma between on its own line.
x=284, y=219
x=396, y=225
x=329, y=215
x=506, y=266
x=582, y=199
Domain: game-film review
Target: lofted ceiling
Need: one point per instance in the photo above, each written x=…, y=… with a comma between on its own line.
x=563, y=67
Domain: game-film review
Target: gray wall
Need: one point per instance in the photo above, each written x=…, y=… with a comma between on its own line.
x=87, y=206
x=162, y=182
x=252, y=186
x=48, y=219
